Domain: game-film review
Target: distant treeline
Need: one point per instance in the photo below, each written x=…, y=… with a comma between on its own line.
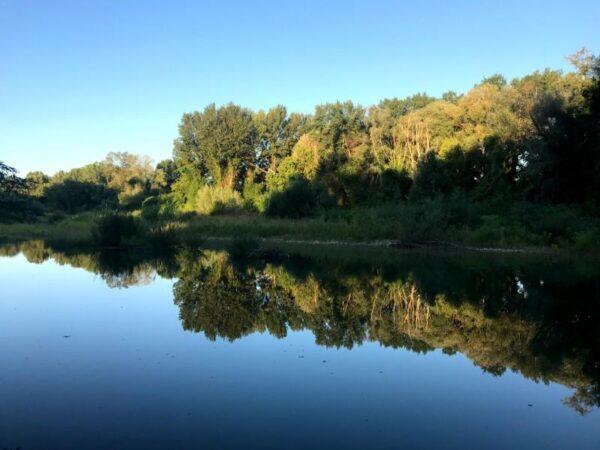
x=534, y=139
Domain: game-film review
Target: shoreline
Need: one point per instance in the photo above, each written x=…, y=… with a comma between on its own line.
x=78, y=231
x=390, y=243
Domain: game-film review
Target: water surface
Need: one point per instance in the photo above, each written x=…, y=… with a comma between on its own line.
x=371, y=349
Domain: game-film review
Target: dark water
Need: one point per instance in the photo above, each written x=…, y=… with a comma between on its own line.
x=328, y=349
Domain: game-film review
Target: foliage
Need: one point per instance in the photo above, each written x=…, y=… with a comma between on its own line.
x=165, y=175
x=304, y=161
x=113, y=229
x=217, y=145
x=37, y=183
x=277, y=133
x=216, y=199
x=73, y=196
x=10, y=183
x=500, y=140
x=18, y=208
x=255, y=197
x=300, y=199
x=15, y=204
x=513, y=162
x=155, y=207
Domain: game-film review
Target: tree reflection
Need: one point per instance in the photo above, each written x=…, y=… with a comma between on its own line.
x=499, y=317
x=539, y=319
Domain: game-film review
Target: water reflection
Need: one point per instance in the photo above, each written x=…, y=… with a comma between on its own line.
x=537, y=317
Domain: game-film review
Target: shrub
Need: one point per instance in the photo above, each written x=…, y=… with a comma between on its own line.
x=255, y=199
x=394, y=185
x=19, y=208
x=431, y=179
x=300, y=199
x=555, y=221
x=217, y=200
x=184, y=191
x=497, y=230
x=151, y=208
x=112, y=229
x=154, y=208
x=72, y=196
x=286, y=170
x=433, y=218
x=161, y=237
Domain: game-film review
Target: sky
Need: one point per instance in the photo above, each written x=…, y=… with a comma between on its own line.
x=79, y=79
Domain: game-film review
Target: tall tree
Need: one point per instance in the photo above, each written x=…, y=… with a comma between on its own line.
x=277, y=133
x=36, y=183
x=217, y=145
x=10, y=183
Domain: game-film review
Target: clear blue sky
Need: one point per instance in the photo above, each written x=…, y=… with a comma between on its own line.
x=81, y=78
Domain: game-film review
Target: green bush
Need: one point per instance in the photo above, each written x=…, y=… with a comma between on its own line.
x=557, y=222
x=497, y=230
x=393, y=185
x=431, y=179
x=300, y=199
x=161, y=237
x=161, y=206
x=19, y=208
x=72, y=196
x=255, y=199
x=113, y=229
x=433, y=218
x=217, y=200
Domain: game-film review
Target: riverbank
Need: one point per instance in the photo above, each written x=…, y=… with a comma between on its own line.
x=365, y=228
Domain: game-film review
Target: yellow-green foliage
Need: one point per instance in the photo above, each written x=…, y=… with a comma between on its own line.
x=215, y=199
x=255, y=198
x=304, y=161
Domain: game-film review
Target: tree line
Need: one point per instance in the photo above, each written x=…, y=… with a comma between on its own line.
x=534, y=139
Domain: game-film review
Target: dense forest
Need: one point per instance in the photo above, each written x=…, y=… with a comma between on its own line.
x=516, y=158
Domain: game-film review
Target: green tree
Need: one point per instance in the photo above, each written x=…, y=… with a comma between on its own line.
x=217, y=146
x=10, y=183
x=73, y=196
x=165, y=174
x=277, y=133
x=336, y=125
x=37, y=183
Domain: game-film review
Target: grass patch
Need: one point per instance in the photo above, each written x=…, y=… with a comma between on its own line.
x=452, y=221
x=73, y=230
